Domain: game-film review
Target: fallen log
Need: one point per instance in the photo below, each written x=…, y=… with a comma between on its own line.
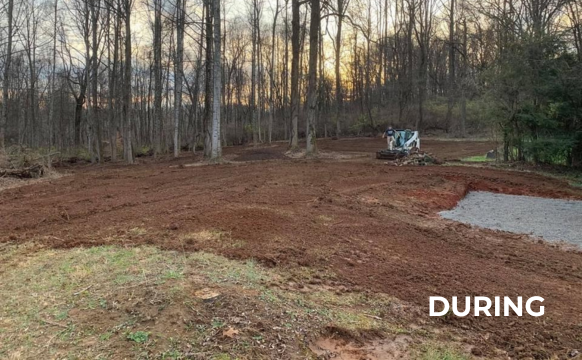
x=30, y=172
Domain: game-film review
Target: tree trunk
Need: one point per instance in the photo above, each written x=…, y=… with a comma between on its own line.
x=179, y=71
x=272, y=90
x=451, y=87
x=157, y=126
x=312, y=76
x=6, y=77
x=295, y=51
x=463, y=82
x=217, y=81
x=207, y=123
x=51, y=108
x=95, y=123
x=113, y=91
x=253, y=107
x=338, y=74
x=127, y=106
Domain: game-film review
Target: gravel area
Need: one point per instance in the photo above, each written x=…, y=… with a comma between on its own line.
x=551, y=219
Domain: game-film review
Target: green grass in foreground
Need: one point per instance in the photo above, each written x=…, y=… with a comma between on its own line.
x=111, y=302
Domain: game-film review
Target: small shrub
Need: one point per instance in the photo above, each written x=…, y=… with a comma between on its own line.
x=139, y=337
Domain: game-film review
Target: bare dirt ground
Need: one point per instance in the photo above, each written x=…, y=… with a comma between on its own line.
x=373, y=225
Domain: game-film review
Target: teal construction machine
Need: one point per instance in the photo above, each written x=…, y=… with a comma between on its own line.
x=405, y=142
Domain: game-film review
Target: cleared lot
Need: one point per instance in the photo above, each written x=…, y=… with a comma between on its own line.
x=349, y=226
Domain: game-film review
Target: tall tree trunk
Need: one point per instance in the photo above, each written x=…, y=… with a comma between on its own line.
x=253, y=107
x=272, y=90
x=51, y=108
x=286, y=109
x=338, y=74
x=451, y=87
x=127, y=106
x=113, y=88
x=157, y=127
x=179, y=71
x=217, y=81
x=207, y=123
x=295, y=51
x=95, y=121
x=463, y=82
x=31, y=50
x=6, y=77
x=312, y=76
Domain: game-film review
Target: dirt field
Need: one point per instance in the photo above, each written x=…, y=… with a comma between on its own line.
x=372, y=225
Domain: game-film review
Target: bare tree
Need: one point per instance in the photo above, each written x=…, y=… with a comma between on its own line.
x=179, y=71
x=207, y=123
x=295, y=51
x=312, y=76
x=128, y=100
x=452, y=85
x=217, y=83
x=6, y=77
x=158, y=85
x=342, y=6
x=272, y=73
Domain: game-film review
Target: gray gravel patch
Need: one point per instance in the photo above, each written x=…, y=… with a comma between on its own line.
x=550, y=219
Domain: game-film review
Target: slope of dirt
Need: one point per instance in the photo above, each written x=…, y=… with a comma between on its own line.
x=374, y=225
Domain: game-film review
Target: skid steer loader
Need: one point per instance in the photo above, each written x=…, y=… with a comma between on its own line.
x=405, y=142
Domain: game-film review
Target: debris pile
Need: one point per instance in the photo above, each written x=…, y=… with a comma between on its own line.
x=30, y=172
x=23, y=163
x=417, y=158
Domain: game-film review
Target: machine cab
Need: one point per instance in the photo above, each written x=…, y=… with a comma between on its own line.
x=406, y=139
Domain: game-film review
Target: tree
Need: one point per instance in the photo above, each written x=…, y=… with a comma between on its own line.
x=452, y=55
x=312, y=77
x=207, y=123
x=94, y=125
x=294, y=73
x=53, y=75
x=179, y=71
x=6, y=77
x=217, y=82
x=157, y=76
x=423, y=32
x=128, y=101
x=341, y=13
x=272, y=73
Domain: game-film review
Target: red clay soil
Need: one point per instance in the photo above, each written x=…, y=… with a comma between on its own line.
x=374, y=225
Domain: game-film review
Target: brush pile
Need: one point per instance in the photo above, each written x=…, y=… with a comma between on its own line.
x=22, y=163
x=416, y=159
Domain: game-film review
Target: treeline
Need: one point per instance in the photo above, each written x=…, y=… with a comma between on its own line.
x=115, y=78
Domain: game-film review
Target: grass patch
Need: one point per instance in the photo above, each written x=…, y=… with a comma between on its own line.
x=139, y=337
x=479, y=158
x=441, y=352
x=114, y=302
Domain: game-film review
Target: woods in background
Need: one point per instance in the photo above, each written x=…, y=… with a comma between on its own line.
x=119, y=78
